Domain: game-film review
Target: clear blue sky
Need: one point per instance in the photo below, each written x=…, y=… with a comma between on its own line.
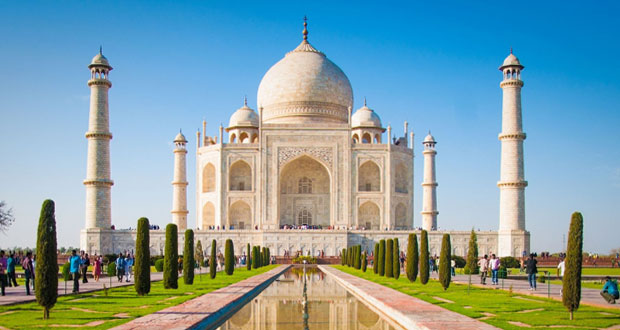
x=434, y=66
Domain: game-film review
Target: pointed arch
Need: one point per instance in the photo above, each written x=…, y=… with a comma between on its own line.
x=400, y=213
x=356, y=138
x=402, y=178
x=240, y=176
x=208, y=216
x=208, y=178
x=366, y=138
x=377, y=138
x=233, y=138
x=369, y=177
x=240, y=215
x=254, y=138
x=368, y=216
x=244, y=137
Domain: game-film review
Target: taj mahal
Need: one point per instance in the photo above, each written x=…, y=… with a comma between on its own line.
x=305, y=170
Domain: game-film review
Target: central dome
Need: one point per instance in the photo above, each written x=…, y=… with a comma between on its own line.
x=305, y=87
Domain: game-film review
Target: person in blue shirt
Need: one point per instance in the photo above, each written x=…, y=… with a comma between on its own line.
x=610, y=291
x=75, y=262
x=120, y=267
x=10, y=269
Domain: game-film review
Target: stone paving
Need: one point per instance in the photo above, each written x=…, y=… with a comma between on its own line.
x=590, y=297
x=209, y=308
x=16, y=295
x=409, y=312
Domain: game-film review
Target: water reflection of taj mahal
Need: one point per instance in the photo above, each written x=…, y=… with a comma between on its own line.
x=305, y=159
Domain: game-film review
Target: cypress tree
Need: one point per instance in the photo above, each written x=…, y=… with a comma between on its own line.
x=445, y=273
x=424, y=267
x=412, y=257
x=142, y=267
x=212, y=260
x=229, y=257
x=359, y=257
x=343, y=257
x=381, y=257
x=356, y=258
x=199, y=254
x=171, y=256
x=364, y=261
x=255, y=257
x=396, y=267
x=265, y=261
x=248, y=258
x=188, y=258
x=471, y=267
x=46, y=272
x=268, y=256
x=389, y=258
x=375, y=259
x=571, y=285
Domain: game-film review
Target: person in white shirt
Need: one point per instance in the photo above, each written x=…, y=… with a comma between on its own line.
x=483, y=264
x=561, y=268
x=494, y=265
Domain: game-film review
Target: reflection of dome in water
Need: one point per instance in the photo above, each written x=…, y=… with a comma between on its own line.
x=305, y=86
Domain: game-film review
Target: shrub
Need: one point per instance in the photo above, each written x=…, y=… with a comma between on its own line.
x=381, y=257
x=212, y=260
x=154, y=259
x=199, y=254
x=108, y=258
x=445, y=272
x=159, y=265
x=358, y=257
x=229, y=257
x=571, y=285
x=396, y=264
x=364, y=261
x=412, y=257
x=142, y=267
x=112, y=268
x=171, y=256
x=375, y=259
x=188, y=258
x=46, y=277
x=510, y=262
x=268, y=256
x=389, y=258
x=66, y=271
x=265, y=257
x=255, y=257
x=248, y=258
x=308, y=259
x=349, y=255
x=472, y=255
x=459, y=262
x=424, y=266
x=343, y=257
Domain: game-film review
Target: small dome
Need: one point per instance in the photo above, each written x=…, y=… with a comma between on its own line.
x=99, y=60
x=243, y=117
x=429, y=138
x=511, y=60
x=365, y=117
x=180, y=138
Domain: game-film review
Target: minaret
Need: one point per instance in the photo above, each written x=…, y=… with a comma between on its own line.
x=512, y=180
x=429, y=186
x=179, y=185
x=98, y=183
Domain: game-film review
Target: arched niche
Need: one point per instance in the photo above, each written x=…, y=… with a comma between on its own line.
x=368, y=216
x=369, y=177
x=240, y=215
x=240, y=176
x=208, y=178
x=208, y=216
x=401, y=216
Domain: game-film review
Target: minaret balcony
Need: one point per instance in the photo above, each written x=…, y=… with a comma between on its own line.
x=517, y=184
x=512, y=136
x=100, y=82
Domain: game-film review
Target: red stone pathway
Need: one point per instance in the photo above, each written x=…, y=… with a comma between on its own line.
x=206, y=308
x=410, y=312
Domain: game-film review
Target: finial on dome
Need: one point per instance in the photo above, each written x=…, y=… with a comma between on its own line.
x=100, y=49
x=510, y=50
x=364, y=100
x=245, y=100
x=305, y=32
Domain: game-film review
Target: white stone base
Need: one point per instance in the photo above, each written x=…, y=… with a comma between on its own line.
x=330, y=241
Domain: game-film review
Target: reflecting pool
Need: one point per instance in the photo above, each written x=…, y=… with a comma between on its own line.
x=319, y=302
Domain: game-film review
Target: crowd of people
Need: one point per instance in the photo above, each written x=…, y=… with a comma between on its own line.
x=7, y=270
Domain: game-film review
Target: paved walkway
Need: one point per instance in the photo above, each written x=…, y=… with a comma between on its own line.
x=409, y=312
x=207, y=309
x=16, y=295
x=590, y=297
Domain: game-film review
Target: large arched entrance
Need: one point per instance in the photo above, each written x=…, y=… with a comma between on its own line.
x=240, y=215
x=304, y=196
x=369, y=216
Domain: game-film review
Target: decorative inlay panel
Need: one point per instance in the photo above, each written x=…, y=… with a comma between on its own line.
x=286, y=153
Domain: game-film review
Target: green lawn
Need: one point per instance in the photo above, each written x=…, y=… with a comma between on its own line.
x=120, y=306
x=553, y=271
x=504, y=307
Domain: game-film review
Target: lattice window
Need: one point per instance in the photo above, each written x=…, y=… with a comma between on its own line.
x=305, y=186
x=304, y=217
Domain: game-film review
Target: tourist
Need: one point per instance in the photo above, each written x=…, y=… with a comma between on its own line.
x=483, y=264
x=3, y=267
x=180, y=265
x=120, y=267
x=85, y=264
x=561, y=268
x=34, y=265
x=28, y=270
x=10, y=269
x=494, y=265
x=74, y=266
x=610, y=291
x=453, y=267
x=128, y=267
x=97, y=268
x=531, y=270
x=431, y=264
